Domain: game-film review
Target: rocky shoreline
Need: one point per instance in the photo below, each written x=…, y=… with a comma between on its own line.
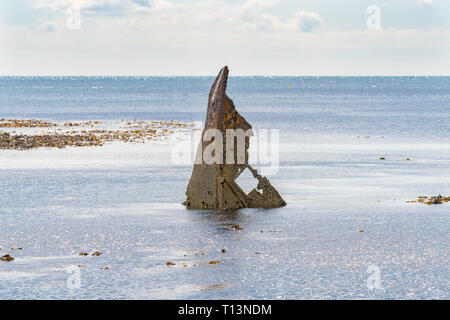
x=83, y=134
x=431, y=200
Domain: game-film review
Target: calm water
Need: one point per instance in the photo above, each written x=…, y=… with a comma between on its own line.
x=404, y=106
x=124, y=200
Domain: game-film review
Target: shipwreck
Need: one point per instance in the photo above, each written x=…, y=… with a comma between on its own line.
x=213, y=183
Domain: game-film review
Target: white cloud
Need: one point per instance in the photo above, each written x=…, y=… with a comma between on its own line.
x=120, y=7
x=248, y=14
x=161, y=5
x=301, y=21
x=426, y=2
x=48, y=26
x=307, y=21
x=168, y=37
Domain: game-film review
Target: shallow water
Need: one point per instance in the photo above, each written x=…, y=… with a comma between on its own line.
x=124, y=199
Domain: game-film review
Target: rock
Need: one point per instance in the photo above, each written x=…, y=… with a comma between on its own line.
x=6, y=258
x=437, y=200
x=432, y=200
x=232, y=226
x=213, y=183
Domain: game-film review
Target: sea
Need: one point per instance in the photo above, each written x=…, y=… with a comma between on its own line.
x=349, y=231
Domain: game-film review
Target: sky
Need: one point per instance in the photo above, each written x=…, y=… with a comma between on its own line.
x=198, y=37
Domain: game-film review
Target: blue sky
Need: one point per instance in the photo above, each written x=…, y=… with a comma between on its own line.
x=196, y=37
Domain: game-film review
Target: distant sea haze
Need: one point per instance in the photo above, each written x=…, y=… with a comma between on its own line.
x=397, y=106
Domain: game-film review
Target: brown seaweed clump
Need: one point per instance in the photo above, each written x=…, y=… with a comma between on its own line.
x=12, y=123
x=25, y=142
x=431, y=200
x=84, y=134
x=6, y=258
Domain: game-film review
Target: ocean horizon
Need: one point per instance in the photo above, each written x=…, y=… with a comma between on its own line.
x=354, y=153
